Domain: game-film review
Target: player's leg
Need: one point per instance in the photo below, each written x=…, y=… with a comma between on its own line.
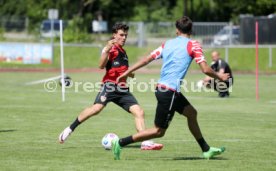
x=128, y=102
x=138, y=114
x=190, y=112
x=223, y=89
x=124, y=99
x=164, y=115
x=147, y=134
x=139, y=117
x=101, y=100
x=183, y=106
x=219, y=86
x=228, y=83
x=89, y=112
x=85, y=114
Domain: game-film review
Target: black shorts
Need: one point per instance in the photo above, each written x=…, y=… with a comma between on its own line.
x=110, y=92
x=168, y=102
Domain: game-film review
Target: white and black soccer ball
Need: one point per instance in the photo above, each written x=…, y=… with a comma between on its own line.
x=107, y=140
x=67, y=81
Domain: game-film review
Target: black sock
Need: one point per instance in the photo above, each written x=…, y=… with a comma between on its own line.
x=203, y=144
x=75, y=124
x=125, y=141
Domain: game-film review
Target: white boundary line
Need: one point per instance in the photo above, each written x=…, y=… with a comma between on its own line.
x=43, y=80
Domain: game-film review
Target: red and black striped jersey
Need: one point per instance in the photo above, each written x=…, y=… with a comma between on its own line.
x=117, y=64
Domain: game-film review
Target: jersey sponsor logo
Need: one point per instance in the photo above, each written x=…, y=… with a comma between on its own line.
x=116, y=63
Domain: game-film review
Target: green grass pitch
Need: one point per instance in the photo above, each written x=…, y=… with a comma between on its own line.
x=31, y=120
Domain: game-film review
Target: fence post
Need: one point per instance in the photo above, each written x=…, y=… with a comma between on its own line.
x=230, y=33
x=141, y=34
x=270, y=57
x=27, y=25
x=226, y=54
x=100, y=49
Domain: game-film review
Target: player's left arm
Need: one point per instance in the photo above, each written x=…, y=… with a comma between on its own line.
x=206, y=69
x=195, y=51
x=143, y=62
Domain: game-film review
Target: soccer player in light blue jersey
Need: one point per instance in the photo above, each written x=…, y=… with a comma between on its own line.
x=177, y=55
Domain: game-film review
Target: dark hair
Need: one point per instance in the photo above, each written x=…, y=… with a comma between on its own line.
x=119, y=26
x=184, y=25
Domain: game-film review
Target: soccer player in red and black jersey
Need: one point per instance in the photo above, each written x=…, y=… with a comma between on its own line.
x=114, y=59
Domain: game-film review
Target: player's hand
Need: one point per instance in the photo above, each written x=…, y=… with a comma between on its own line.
x=109, y=45
x=120, y=78
x=124, y=76
x=224, y=76
x=131, y=75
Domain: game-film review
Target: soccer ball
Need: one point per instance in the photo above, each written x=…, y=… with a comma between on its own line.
x=107, y=140
x=67, y=81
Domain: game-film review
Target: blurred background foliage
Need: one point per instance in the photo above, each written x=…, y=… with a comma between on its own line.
x=80, y=13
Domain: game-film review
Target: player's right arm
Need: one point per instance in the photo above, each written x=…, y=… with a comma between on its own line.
x=105, y=53
x=156, y=54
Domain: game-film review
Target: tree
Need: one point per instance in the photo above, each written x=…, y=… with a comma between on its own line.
x=83, y=11
x=231, y=9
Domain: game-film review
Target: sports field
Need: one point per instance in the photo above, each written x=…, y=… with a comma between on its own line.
x=32, y=118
